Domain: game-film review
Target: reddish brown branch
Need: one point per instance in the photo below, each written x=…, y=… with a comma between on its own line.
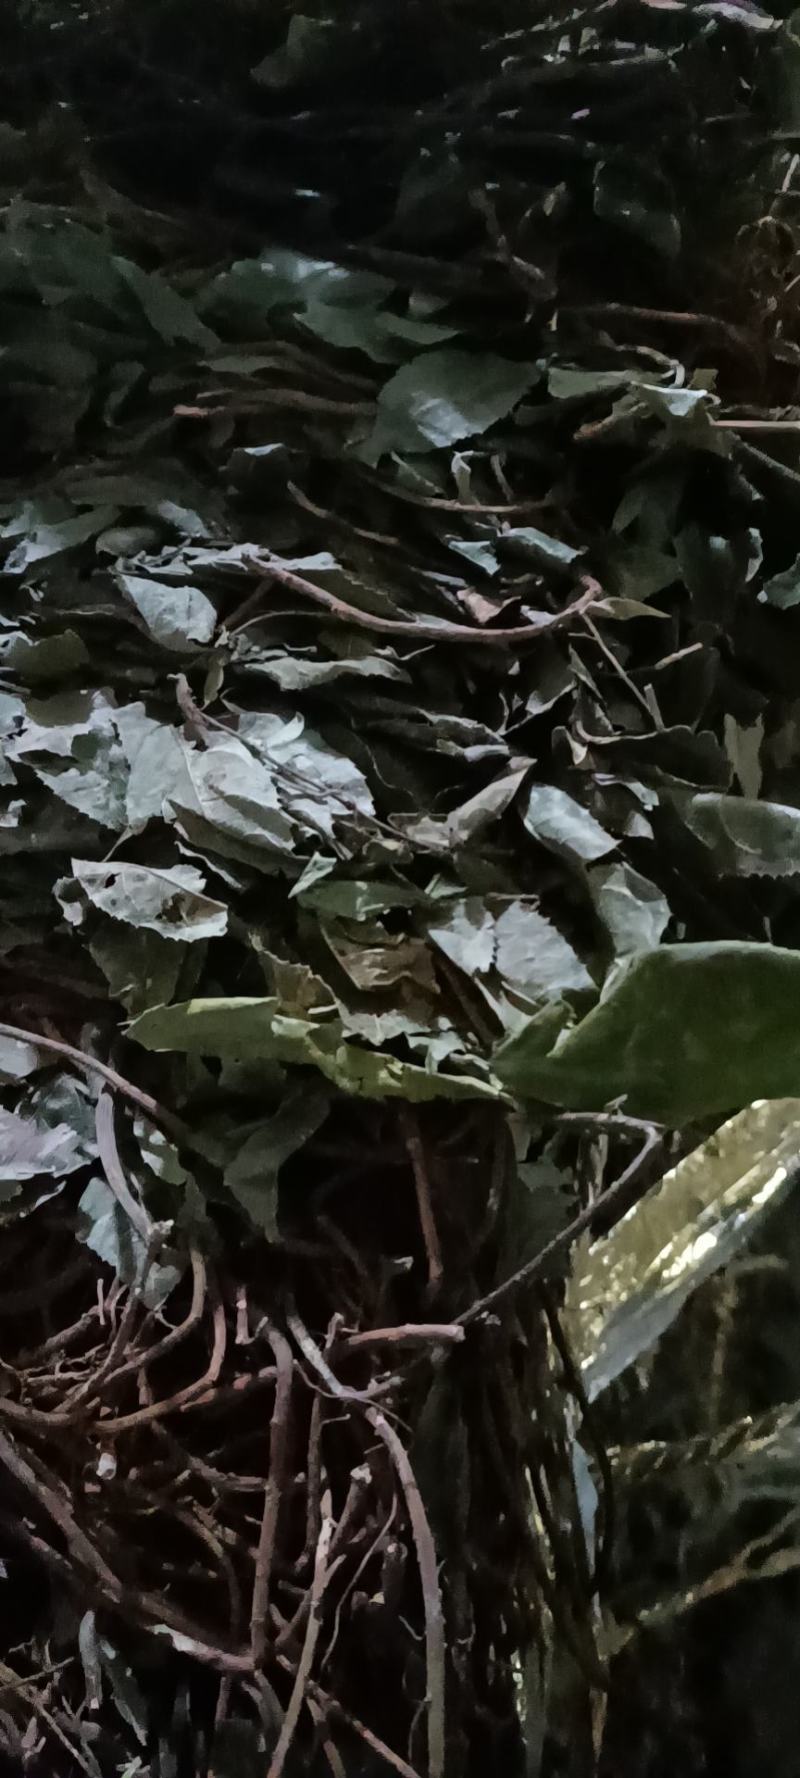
x=414, y=1333
x=424, y=629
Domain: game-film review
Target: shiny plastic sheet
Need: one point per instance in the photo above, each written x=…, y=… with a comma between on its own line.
x=627, y=1288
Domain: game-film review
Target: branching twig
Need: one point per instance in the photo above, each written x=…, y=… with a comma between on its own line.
x=559, y=1245
x=423, y=1543
x=157, y=1114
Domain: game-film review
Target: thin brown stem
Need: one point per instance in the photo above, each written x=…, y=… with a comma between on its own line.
x=422, y=1186
x=311, y=1639
x=559, y=1245
x=278, y=1440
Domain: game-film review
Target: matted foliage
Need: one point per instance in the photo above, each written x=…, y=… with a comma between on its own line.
x=400, y=828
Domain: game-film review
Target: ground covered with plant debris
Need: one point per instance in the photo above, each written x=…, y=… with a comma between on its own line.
x=400, y=824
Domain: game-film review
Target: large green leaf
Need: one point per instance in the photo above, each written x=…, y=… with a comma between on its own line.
x=681, y=1032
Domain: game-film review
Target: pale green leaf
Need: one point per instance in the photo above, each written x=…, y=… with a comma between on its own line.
x=48, y=540
x=158, y=761
x=171, y=902
x=94, y=781
x=467, y=936
x=783, y=590
x=252, y=1029
x=635, y=913
x=176, y=616
x=557, y=821
x=29, y=1147
x=747, y=838
x=235, y=797
x=103, y=1226
x=533, y=957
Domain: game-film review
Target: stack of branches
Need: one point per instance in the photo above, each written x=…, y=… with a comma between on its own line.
x=220, y=1478
x=397, y=590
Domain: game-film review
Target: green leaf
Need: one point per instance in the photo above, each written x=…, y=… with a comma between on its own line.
x=170, y=902
x=282, y=278
x=45, y=540
x=45, y=657
x=531, y=545
x=441, y=397
x=683, y=1032
x=158, y=765
x=633, y=910
x=252, y=1029
x=104, y=1227
x=783, y=590
x=567, y=382
x=467, y=936
x=29, y=1147
x=309, y=43
x=557, y=821
x=747, y=838
x=176, y=616
x=379, y=334
x=356, y=900
x=526, y=951
x=168, y=313
x=627, y=1289
x=637, y=571
x=252, y=1176
x=291, y=673
x=141, y=968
